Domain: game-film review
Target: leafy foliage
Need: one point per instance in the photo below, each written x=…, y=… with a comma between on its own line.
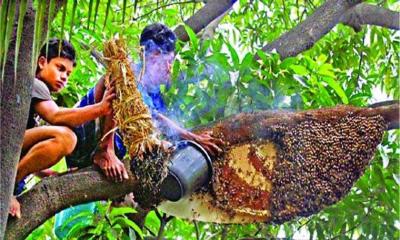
x=106, y=223
x=219, y=77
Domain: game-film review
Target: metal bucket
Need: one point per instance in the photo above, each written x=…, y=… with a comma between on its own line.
x=190, y=168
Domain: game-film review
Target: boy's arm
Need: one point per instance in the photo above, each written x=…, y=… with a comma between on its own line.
x=210, y=144
x=72, y=117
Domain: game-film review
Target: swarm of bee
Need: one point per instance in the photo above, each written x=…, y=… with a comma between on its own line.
x=148, y=158
x=284, y=171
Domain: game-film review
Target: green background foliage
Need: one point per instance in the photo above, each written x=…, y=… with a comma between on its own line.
x=217, y=77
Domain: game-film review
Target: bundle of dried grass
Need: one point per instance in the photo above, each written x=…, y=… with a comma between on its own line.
x=149, y=158
x=130, y=112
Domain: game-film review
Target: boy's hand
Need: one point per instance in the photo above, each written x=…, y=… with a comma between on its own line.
x=106, y=102
x=210, y=144
x=112, y=167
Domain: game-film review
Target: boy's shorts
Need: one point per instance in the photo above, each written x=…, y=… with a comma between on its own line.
x=89, y=135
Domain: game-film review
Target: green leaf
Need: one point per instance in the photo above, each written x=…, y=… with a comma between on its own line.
x=74, y=5
x=96, y=13
x=234, y=55
x=37, y=35
x=3, y=26
x=77, y=230
x=90, y=13
x=124, y=10
x=299, y=70
x=107, y=11
x=322, y=58
x=126, y=222
x=9, y=30
x=64, y=15
x=84, y=214
x=325, y=98
x=110, y=235
x=263, y=56
x=51, y=11
x=246, y=62
x=287, y=62
x=22, y=12
x=338, y=89
x=192, y=36
x=116, y=211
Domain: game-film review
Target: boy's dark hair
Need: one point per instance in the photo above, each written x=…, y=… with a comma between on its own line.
x=159, y=35
x=57, y=48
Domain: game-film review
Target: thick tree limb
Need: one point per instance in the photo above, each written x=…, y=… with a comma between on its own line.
x=15, y=101
x=307, y=33
x=352, y=13
x=364, y=13
x=57, y=193
x=203, y=17
x=54, y=194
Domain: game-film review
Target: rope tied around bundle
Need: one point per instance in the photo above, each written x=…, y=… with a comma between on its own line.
x=149, y=158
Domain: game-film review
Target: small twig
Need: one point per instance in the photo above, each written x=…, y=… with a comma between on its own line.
x=196, y=226
x=213, y=235
x=150, y=231
x=259, y=228
x=164, y=219
x=224, y=232
x=361, y=60
x=160, y=7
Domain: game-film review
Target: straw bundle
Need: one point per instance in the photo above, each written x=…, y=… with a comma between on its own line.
x=149, y=156
x=131, y=114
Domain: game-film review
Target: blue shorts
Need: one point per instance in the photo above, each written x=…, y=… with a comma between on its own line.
x=89, y=135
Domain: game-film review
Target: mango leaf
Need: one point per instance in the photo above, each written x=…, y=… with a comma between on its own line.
x=246, y=62
x=234, y=55
x=192, y=36
x=299, y=70
x=338, y=89
x=325, y=98
x=127, y=222
x=287, y=62
x=117, y=211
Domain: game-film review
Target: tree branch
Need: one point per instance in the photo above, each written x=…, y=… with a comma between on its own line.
x=352, y=13
x=307, y=33
x=203, y=17
x=364, y=13
x=57, y=193
x=54, y=194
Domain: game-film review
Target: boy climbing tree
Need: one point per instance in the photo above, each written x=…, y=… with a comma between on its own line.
x=44, y=146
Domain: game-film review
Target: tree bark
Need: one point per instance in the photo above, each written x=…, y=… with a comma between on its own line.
x=307, y=33
x=203, y=17
x=352, y=13
x=364, y=13
x=57, y=193
x=15, y=102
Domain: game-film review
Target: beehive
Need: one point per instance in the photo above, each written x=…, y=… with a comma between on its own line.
x=292, y=170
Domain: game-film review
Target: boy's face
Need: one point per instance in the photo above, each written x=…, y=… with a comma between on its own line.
x=55, y=73
x=158, y=70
